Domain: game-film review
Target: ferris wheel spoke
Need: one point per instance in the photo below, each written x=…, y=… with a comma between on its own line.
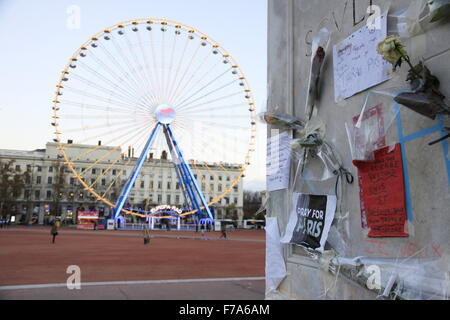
x=188, y=67
x=142, y=69
x=209, y=142
x=147, y=71
x=195, y=111
x=190, y=79
x=155, y=66
x=116, y=128
x=169, y=72
x=211, y=101
x=211, y=92
x=107, y=154
x=203, y=88
x=135, y=127
x=129, y=65
x=180, y=62
x=97, y=97
x=110, y=92
x=96, y=127
x=121, y=79
x=220, y=125
x=95, y=107
x=110, y=142
x=199, y=82
x=106, y=80
x=125, y=75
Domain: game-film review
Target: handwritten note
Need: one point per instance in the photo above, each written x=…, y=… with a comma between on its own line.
x=278, y=162
x=384, y=193
x=357, y=64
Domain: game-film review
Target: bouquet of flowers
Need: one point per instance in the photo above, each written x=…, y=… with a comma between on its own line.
x=425, y=97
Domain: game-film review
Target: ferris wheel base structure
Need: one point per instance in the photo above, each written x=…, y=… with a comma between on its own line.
x=164, y=114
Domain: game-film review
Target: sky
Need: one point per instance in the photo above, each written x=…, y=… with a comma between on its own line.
x=39, y=37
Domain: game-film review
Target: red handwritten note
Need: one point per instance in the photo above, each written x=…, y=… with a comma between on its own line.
x=383, y=193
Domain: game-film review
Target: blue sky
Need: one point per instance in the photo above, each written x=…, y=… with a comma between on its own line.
x=36, y=45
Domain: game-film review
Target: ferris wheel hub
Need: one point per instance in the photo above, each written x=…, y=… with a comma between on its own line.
x=165, y=114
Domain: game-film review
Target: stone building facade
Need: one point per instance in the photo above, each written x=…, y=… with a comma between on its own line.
x=157, y=183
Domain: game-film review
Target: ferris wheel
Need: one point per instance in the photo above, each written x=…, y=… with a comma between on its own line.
x=154, y=86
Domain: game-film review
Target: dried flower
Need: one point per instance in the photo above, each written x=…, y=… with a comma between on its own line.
x=393, y=51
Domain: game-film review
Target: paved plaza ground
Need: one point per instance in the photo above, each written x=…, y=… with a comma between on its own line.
x=117, y=265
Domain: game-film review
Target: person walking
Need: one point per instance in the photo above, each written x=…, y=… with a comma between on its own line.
x=223, y=230
x=146, y=235
x=54, y=232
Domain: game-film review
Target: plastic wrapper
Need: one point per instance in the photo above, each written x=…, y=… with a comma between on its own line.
x=439, y=9
x=370, y=130
x=275, y=266
x=409, y=21
x=418, y=17
x=319, y=48
x=308, y=152
x=389, y=278
x=280, y=120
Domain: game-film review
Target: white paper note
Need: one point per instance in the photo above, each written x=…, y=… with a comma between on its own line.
x=278, y=161
x=357, y=64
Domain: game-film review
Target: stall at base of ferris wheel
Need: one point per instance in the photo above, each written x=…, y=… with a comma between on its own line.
x=164, y=114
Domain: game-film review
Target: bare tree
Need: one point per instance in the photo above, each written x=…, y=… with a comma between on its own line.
x=12, y=183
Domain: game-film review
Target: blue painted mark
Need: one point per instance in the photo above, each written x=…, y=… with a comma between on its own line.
x=403, y=140
x=405, y=164
x=445, y=148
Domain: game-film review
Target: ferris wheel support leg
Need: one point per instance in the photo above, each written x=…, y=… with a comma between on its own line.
x=127, y=188
x=189, y=172
x=187, y=192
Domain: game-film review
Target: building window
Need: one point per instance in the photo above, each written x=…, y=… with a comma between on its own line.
x=49, y=194
x=203, y=186
x=72, y=181
x=50, y=169
x=211, y=178
x=142, y=184
x=39, y=168
x=94, y=171
x=220, y=187
x=236, y=188
x=168, y=199
x=228, y=178
x=49, y=180
x=27, y=194
x=168, y=186
x=38, y=180
x=159, y=199
x=151, y=185
x=235, y=200
x=220, y=178
x=211, y=187
x=177, y=199
x=37, y=194
x=18, y=167
x=114, y=172
x=28, y=167
x=159, y=185
x=178, y=186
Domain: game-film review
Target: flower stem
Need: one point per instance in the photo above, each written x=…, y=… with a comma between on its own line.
x=408, y=61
